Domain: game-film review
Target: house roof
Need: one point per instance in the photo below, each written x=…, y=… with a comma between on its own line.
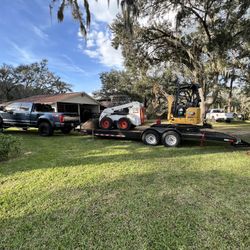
x=50, y=99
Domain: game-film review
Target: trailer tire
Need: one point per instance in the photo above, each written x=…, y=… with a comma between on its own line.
x=151, y=138
x=171, y=139
x=106, y=123
x=124, y=124
x=45, y=129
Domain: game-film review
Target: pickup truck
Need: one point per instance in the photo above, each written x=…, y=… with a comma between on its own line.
x=219, y=115
x=37, y=115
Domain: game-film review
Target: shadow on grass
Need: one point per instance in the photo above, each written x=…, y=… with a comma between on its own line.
x=71, y=151
x=34, y=132
x=157, y=210
x=75, y=150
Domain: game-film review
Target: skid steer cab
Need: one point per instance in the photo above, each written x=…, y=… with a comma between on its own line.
x=123, y=117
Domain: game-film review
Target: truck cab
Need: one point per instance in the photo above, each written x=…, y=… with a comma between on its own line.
x=37, y=115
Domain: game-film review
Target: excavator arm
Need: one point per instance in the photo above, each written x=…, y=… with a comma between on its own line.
x=158, y=92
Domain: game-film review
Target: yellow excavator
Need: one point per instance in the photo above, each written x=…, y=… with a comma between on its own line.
x=186, y=107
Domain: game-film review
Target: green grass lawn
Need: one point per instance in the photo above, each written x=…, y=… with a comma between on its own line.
x=73, y=192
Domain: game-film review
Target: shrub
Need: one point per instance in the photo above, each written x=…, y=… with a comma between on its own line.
x=10, y=146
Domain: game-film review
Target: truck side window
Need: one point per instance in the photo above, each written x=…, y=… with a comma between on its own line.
x=25, y=107
x=13, y=107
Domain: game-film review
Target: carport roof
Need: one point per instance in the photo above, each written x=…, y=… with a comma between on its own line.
x=50, y=99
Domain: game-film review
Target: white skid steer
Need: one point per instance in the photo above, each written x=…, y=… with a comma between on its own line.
x=124, y=117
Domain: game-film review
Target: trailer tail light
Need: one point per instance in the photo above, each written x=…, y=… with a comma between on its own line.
x=61, y=118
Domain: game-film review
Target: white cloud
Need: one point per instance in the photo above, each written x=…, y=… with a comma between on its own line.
x=23, y=54
x=39, y=32
x=26, y=56
x=99, y=47
x=67, y=64
x=102, y=12
x=98, y=42
x=91, y=53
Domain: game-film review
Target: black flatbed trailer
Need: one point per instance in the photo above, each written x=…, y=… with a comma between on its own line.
x=170, y=135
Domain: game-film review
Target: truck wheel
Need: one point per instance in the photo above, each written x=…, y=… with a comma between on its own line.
x=171, y=139
x=151, y=138
x=45, y=129
x=106, y=123
x=66, y=131
x=124, y=124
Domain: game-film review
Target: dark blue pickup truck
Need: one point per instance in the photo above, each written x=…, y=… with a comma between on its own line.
x=37, y=115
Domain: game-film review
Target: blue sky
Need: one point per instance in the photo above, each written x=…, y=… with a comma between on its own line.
x=29, y=34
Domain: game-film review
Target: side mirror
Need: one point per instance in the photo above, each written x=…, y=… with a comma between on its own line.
x=1, y=108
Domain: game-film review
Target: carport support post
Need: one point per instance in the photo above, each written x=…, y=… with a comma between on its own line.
x=56, y=109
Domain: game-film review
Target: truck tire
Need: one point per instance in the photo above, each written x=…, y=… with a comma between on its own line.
x=171, y=139
x=66, y=131
x=124, y=124
x=45, y=129
x=106, y=123
x=151, y=138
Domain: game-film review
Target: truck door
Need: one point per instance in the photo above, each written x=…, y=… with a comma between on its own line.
x=23, y=114
x=35, y=113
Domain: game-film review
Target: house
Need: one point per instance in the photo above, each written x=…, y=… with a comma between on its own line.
x=77, y=102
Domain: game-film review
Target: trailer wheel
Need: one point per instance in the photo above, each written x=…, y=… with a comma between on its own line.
x=151, y=138
x=106, y=123
x=124, y=124
x=171, y=139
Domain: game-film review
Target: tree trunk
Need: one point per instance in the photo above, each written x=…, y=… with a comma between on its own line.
x=229, y=104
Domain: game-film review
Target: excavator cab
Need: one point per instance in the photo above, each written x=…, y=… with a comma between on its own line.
x=186, y=105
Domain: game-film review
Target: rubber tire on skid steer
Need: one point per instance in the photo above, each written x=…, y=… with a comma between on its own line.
x=45, y=129
x=106, y=123
x=171, y=139
x=151, y=138
x=124, y=124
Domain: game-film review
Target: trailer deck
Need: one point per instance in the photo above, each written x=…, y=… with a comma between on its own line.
x=159, y=132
